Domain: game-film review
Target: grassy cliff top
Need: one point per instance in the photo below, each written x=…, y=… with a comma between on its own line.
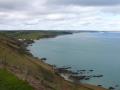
x=33, y=34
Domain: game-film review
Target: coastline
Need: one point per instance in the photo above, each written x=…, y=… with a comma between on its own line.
x=66, y=76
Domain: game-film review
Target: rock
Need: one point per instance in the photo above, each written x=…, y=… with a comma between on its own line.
x=99, y=85
x=98, y=76
x=77, y=77
x=111, y=88
x=91, y=70
x=43, y=59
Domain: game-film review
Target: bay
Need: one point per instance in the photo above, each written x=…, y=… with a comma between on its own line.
x=99, y=51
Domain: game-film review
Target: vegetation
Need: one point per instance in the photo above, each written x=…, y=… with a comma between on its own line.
x=33, y=34
x=41, y=76
x=10, y=82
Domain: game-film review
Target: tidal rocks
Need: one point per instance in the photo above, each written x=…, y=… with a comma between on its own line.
x=43, y=59
x=98, y=76
x=111, y=88
x=91, y=70
x=63, y=70
x=99, y=85
x=77, y=77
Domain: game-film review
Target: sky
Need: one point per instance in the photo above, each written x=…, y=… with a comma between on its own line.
x=101, y=15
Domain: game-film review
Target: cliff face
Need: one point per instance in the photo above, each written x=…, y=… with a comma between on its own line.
x=41, y=76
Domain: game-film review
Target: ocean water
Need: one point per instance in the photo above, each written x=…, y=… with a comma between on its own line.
x=99, y=51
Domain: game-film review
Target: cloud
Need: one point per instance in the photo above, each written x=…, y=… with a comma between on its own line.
x=60, y=14
x=86, y=2
x=7, y=5
x=111, y=10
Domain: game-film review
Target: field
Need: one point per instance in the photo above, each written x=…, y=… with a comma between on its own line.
x=33, y=34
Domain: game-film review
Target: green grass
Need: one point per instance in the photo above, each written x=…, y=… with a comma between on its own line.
x=10, y=82
x=33, y=34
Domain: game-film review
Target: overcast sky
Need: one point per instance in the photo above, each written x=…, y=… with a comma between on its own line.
x=60, y=14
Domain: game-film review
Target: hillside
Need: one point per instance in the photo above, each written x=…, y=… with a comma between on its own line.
x=15, y=59
x=10, y=82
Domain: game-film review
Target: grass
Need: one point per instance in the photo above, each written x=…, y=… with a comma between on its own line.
x=28, y=35
x=10, y=82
